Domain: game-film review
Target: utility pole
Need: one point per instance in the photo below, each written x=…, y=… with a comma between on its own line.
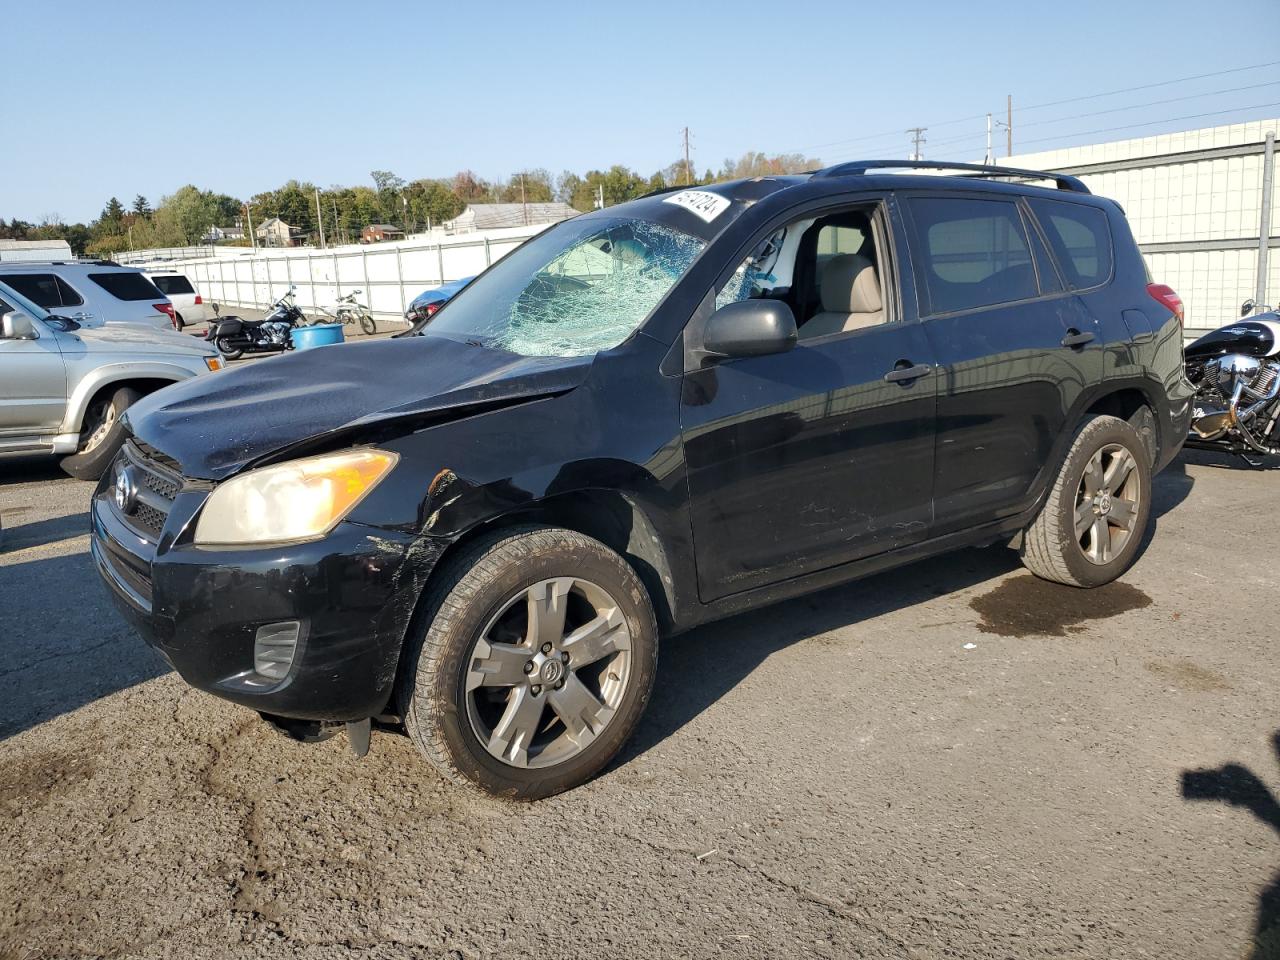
x=600, y=196
x=319, y=218
x=253, y=237
x=1009, y=126
x=524, y=203
x=917, y=138
x=337, y=232
x=989, y=159
x=688, y=170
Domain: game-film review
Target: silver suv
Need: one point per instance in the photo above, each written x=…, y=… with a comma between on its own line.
x=91, y=292
x=63, y=387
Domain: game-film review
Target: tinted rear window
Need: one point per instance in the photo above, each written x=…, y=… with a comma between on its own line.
x=127, y=285
x=174, y=283
x=1080, y=237
x=972, y=253
x=48, y=290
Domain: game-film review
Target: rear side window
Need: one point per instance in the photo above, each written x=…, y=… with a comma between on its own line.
x=174, y=283
x=1080, y=237
x=47, y=289
x=127, y=286
x=970, y=253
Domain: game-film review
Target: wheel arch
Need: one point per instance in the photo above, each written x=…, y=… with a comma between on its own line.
x=145, y=379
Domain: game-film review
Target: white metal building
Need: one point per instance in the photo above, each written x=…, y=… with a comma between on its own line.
x=1194, y=201
x=35, y=250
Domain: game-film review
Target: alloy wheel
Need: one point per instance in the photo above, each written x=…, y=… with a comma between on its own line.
x=102, y=429
x=548, y=672
x=1108, y=502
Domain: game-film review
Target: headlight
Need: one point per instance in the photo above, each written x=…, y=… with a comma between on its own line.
x=291, y=501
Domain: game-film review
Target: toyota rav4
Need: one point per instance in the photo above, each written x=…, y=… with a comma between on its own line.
x=645, y=418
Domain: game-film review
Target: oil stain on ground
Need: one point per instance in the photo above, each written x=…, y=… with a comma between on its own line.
x=1026, y=606
x=1188, y=675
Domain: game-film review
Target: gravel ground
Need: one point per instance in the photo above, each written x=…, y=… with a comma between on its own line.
x=949, y=760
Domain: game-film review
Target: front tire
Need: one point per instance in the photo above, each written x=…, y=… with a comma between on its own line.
x=367, y=324
x=1091, y=525
x=101, y=436
x=532, y=665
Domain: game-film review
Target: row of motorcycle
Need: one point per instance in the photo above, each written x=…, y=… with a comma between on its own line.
x=234, y=337
x=1235, y=369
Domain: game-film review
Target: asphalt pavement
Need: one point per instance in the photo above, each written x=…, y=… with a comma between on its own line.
x=952, y=759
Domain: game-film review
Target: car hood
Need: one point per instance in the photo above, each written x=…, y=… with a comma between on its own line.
x=216, y=425
x=137, y=340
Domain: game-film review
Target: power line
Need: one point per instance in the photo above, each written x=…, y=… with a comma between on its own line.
x=1153, y=123
x=1150, y=86
x=1153, y=103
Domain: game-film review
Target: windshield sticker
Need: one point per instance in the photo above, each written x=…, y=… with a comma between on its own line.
x=706, y=205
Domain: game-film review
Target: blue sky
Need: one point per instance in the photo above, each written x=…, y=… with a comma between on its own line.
x=136, y=97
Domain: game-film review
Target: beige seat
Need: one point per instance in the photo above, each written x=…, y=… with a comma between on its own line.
x=850, y=292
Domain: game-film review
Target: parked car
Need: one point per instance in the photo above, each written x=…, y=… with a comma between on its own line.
x=645, y=418
x=64, y=387
x=188, y=305
x=427, y=303
x=91, y=292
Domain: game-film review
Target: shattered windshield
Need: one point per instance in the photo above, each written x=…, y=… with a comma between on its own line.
x=579, y=288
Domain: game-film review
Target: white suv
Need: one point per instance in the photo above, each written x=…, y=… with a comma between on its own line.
x=188, y=305
x=64, y=387
x=91, y=292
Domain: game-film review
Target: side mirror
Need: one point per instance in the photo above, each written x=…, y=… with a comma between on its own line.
x=749, y=328
x=1246, y=308
x=16, y=325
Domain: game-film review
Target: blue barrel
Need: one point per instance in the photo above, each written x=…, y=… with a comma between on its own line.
x=322, y=334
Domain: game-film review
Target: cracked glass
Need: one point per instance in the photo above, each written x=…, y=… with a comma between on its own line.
x=580, y=288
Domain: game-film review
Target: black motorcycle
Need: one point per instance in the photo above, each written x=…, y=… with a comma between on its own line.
x=1236, y=372
x=234, y=337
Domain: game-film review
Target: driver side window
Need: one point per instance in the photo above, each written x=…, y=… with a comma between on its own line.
x=826, y=268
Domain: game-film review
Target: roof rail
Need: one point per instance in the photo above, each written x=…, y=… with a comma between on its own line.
x=856, y=168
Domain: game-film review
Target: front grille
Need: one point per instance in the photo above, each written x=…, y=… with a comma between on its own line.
x=154, y=490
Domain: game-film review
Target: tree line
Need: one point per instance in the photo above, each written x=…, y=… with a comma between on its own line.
x=185, y=217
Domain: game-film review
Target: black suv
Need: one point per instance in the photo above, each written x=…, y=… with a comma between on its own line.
x=642, y=419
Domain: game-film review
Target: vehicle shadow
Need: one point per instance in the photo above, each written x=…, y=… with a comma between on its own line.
x=1238, y=786
x=30, y=470
x=21, y=535
x=1229, y=461
x=698, y=668
x=61, y=647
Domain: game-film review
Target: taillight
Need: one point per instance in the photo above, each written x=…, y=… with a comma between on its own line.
x=1164, y=295
x=167, y=310
x=431, y=309
x=198, y=300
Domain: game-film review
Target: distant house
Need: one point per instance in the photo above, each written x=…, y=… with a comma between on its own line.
x=276, y=233
x=377, y=232
x=490, y=216
x=215, y=234
x=35, y=250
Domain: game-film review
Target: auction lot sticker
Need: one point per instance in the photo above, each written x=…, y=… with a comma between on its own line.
x=706, y=205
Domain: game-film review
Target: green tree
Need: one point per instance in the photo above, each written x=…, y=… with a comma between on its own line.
x=141, y=207
x=469, y=188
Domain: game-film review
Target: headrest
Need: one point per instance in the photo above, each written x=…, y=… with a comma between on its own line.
x=849, y=285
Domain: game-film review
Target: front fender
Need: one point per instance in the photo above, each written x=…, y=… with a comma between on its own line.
x=101, y=376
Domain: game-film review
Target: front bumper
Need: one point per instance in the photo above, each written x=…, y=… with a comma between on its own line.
x=352, y=594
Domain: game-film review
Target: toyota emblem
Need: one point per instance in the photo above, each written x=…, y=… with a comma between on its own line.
x=126, y=490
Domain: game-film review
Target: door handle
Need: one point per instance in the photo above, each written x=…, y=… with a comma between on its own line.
x=1075, y=338
x=900, y=373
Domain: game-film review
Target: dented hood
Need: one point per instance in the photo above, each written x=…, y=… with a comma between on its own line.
x=215, y=425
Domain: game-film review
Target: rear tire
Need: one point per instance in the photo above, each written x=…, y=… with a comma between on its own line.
x=178, y=322
x=1091, y=526
x=228, y=352
x=477, y=662
x=101, y=436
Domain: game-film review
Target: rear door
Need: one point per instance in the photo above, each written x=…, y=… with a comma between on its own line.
x=1001, y=328
x=33, y=382
x=54, y=293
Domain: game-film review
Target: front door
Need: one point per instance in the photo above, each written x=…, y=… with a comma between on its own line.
x=812, y=458
x=33, y=383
